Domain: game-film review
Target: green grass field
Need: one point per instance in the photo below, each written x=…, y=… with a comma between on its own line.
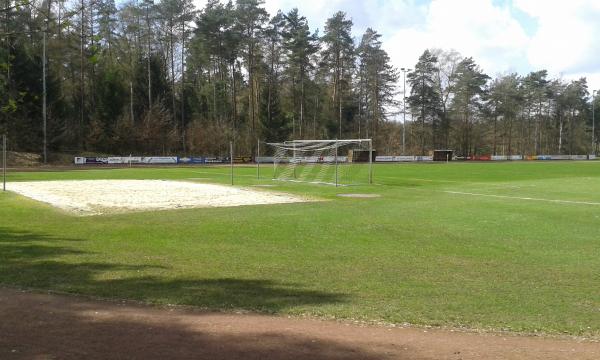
x=511, y=246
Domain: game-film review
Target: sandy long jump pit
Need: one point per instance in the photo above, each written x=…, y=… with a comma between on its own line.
x=97, y=197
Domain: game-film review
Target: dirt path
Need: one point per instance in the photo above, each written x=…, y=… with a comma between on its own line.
x=42, y=326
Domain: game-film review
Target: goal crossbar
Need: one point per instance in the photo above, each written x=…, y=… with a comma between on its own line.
x=316, y=141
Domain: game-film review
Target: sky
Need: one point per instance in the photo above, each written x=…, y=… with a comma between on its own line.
x=561, y=36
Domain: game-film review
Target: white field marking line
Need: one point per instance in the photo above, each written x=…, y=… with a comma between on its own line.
x=524, y=198
x=418, y=179
x=438, y=181
x=491, y=185
x=449, y=181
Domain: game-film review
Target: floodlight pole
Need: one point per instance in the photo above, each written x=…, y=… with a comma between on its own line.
x=274, y=165
x=44, y=91
x=404, y=70
x=336, y=163
x=4, y=162
x=294, y=159
x=258, y=159
x=231, y=159
x=594, y=121
x=370, y=161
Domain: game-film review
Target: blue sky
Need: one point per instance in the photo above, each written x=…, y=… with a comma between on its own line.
x=561, y=36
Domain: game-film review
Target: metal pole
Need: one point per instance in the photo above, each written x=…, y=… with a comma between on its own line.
x=258, y=159
x=336, y=163
x=593, y=122
x=275, y=163
x=231, y=159
x=370, y=161
x=4, y=162
x=45, y=153
x=404, y=113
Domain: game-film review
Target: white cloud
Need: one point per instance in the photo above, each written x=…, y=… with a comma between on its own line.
x=473, y=27
x=479, y=29
x=566, y=40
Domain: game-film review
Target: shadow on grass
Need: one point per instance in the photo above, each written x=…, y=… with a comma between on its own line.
x=41, y=261
x=53, y=326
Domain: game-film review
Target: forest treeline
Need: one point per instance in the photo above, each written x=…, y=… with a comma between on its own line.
x=167, y=78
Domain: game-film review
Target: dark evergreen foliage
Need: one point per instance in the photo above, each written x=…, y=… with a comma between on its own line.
x=147, y=78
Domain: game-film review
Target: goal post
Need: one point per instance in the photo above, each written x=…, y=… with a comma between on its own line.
x=335, y=162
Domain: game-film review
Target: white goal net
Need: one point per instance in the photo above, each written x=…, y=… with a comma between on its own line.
x=335, y=162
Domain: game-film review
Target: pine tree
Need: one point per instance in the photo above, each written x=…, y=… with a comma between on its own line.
x=299, y=45
x=251, y=18
x=338, y=59
x=505, y=101
x=469, y=81
x=425, y=99
x=377, y=81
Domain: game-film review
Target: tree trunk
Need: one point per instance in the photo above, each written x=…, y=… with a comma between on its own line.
x=494, y=151
x=315, y=117
x=560, y=132
x=422, y=115
x=510, y=125
x=251, y=85
x=92, y=97
x=340, y=95
x=172, y=53
x=81, y=77
x=183, y=127
x=271, y=78
x=149, y=55
x=131, y=118
x=360, y=98
x=301, y=101
x=233, y=98
x=294, y=106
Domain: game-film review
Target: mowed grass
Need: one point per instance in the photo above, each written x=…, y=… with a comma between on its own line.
x=434, y=249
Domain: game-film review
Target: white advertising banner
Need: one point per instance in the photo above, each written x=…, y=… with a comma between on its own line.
x=404, y=158
x=132, y=159
x=506, y=157
x=384, y=158
x=423, y=158
x=159, y=160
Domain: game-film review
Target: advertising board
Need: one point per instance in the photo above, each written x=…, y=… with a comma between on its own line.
x=159, y=160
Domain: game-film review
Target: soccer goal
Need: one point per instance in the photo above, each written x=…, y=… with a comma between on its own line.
x=334, y=162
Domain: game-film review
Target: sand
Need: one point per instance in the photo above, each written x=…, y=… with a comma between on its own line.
x=97, y=197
